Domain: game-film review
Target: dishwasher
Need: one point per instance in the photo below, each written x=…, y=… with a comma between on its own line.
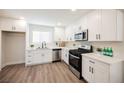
x=56, y=55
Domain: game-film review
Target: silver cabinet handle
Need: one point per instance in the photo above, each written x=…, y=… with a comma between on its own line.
x=89, y=68
x=99, y=37
x=13, y=28
x=92, y=70
x=91, y=62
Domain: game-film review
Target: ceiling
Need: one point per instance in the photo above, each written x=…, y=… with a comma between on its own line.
x=49, y=17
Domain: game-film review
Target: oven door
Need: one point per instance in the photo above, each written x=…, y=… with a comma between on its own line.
x=75, y=62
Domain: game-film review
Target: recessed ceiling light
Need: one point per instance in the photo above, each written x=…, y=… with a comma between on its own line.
x=73, y=10
x=59, y=23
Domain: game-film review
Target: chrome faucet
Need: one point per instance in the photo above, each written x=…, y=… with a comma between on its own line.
x=43, y=44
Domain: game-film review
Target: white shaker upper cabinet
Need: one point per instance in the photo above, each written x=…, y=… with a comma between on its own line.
x=93, y=20
x=59, y=34
x=8, y=24
x=105, y=25
x=109, y=25
x=83, y=23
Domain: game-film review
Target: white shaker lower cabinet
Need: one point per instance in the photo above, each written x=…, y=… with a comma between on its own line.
x=96, y=71
x=65, y=55
x=39, y=56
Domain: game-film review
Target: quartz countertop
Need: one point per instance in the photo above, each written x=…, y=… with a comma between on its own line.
x=106, y=59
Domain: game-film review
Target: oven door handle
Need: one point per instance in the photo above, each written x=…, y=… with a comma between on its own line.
x=74, y=56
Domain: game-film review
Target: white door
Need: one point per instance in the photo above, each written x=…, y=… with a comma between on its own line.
x=47, y=56
x=20, y=25
x=37, y=57
x=94, y=26
x=59, y=34
x=6, y=24
x=109, y=25
x=101, y=72
x=84, y=23
x=87, y=70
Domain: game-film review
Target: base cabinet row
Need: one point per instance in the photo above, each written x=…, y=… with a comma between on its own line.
x=38, y=56
x=95, y=71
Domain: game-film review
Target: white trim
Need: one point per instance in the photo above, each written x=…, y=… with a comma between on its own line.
x=12, y=63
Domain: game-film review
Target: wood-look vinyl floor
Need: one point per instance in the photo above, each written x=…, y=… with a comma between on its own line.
x=46, y=73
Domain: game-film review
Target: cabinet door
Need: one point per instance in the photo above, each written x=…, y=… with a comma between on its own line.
x=83, y=23
x=109, y=25
x=101, y=72
x=47, y=56
x=69, y=33
x=59, y=34
x=19, y=25
x=6, y=24
x=87, y=69
x=37, y=57
x=62, y=56
x=66, y=56
x=94, y=25
x=120, y=25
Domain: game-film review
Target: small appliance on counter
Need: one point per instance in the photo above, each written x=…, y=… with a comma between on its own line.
x=75, y=59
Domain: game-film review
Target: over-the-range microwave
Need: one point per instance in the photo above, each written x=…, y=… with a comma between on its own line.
x=83, y=35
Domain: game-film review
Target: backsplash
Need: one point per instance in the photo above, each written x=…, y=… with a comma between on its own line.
x=76, y=43
x=118, y=47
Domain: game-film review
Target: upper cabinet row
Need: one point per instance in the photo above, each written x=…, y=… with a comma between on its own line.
x=105, y=25
x=102, y=25
x=8, y=24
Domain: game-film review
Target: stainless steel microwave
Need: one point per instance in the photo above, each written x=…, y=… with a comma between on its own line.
x=83, y=35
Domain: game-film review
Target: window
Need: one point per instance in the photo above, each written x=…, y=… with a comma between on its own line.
x=40, y=36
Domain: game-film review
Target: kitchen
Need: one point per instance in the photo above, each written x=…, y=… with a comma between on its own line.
x=62, y=46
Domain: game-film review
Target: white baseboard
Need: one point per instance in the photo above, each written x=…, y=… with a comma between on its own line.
x=12, y=63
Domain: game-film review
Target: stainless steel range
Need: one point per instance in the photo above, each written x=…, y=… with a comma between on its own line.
x=75, y=59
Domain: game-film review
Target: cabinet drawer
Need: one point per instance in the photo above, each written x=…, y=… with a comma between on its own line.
x=98, y=64
x=28, y=60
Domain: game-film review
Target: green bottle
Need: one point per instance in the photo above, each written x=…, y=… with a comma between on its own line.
x=111, y=52
x=107, y=51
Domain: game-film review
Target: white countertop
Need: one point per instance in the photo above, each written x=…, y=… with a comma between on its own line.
x=106, y=59
x=33, y=49
x=53, y=47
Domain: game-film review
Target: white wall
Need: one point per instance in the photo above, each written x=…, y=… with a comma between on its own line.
x=13, y=48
